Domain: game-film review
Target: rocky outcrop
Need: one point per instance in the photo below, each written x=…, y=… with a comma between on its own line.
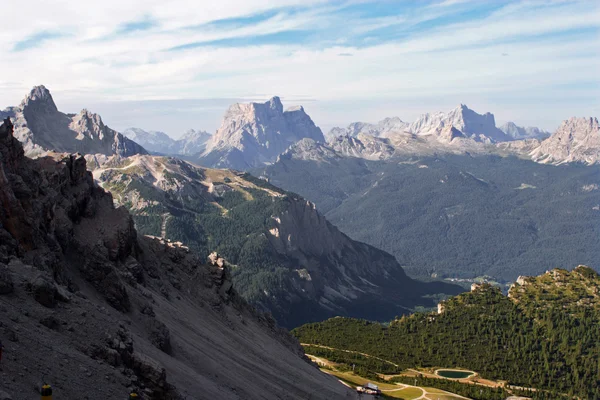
x=256, y=133
x=42, y=128
x=576, y=140
x=87, y=298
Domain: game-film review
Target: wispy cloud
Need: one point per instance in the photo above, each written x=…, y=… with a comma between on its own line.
x=36, y=39
x=143, y=24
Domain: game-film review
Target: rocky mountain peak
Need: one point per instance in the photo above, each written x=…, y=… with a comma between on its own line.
x=275, y=104
x=479, y=127
x=256, y=133
x=575, y=140
x=518, y=132
x=40, y=99
x=41, y=127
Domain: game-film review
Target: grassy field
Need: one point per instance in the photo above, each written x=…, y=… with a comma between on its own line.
x=394, y=391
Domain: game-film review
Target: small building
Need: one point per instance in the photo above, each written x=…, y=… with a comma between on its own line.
x=369, y=388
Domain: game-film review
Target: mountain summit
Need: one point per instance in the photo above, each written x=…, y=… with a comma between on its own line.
x=41, y=128
x=252, y=134
x=575, y=140
x=481, y=128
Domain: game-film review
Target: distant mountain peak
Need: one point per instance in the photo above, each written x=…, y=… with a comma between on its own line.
x=275, y=104
x=40, y=98
x=41, y=127
x=383, y=128
x=479, y=127
x=518, y=132
x=191, y=143
x=575, y=140
x=252, y=134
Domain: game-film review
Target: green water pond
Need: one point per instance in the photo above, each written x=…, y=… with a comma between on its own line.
x=454, y=374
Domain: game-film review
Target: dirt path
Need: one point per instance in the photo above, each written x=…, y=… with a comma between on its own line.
x=352, y=352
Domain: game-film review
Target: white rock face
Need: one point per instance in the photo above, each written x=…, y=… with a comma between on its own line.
x=41, y=128
x=256, y=133
x=382, y=129
x=481, y=128
x=519, y=132
x=576, y=140
x=193, y=142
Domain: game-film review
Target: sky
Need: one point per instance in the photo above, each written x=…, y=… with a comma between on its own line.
x=176, y=65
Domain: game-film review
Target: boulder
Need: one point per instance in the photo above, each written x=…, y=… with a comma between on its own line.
x=44, y=291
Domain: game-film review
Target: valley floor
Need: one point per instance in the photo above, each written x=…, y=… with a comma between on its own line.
x=401, y=390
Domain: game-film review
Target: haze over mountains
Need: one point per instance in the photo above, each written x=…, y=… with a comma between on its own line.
x=256, y=134
x=191, y=143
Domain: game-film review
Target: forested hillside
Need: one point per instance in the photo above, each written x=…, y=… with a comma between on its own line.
x=529, y=339
x=455, y=216
x=284, y=256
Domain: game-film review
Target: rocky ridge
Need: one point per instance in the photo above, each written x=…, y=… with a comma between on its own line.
x=85, y=299
x=41, y=128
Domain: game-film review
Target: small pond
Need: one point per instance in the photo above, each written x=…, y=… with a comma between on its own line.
x=454, y=373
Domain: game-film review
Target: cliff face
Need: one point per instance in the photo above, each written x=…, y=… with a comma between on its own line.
x=41, y=128
x=79, y=285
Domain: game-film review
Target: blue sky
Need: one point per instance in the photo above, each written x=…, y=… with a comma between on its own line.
x=141, y=63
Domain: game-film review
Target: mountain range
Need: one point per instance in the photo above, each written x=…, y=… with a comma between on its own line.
x=191, y=143
x=449, y=215
x=285, y=257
